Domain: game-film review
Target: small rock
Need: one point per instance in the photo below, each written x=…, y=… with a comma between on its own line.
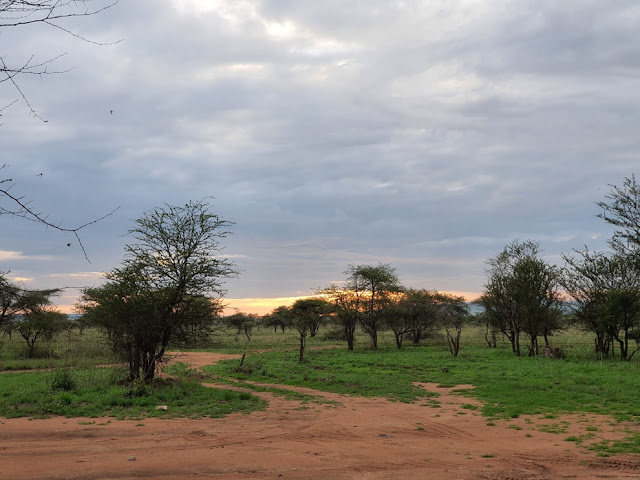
x=132, y=459
x=162, y=407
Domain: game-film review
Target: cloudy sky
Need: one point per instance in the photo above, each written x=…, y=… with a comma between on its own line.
x=424, y=134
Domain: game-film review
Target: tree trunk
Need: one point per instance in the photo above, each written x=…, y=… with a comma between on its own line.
x=374, y=339
x=349, y=332
x=454, y=342
x=491, y=340
x=134, y=372
x=302, y=342
x=398, y=339
x=150, y=372
x=533, y=347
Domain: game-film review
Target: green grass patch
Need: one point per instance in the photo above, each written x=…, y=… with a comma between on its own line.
x=509, y=386
x=630, y=444
x=100, y=392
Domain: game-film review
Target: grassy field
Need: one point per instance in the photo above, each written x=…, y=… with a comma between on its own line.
x=99, y=392
x=508, y=386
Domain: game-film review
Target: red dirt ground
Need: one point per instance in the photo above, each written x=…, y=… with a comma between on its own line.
x=357, y=438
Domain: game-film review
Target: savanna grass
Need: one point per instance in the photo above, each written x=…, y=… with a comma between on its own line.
x=63, y=350
x=99, y=392
x=509, y=386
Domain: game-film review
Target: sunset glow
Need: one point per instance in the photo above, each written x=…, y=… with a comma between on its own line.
x=259, y=306
x=265, y=305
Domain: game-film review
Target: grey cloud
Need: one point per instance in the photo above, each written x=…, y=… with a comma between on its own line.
x=423, y=134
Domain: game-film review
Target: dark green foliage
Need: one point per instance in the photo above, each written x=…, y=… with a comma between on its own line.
x=63, y=381
x=169, y=285
x=419, y=313
x=605, y=286
x=522, y=295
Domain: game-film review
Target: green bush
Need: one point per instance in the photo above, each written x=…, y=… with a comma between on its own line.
x=63, y=381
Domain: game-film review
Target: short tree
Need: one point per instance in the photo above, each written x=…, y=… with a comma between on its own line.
x=9, y=295
x=305, y=316
x=413, y=312
x=453, y=314
x=378, y=283
x=347, y=305
x=241, y=322
x=278, y=318
x=175, y=259
x=198, y=322
x=37, y=318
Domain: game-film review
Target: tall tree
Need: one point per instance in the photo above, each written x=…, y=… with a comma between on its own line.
x=622, y=210
x=175, y=258
x=521, y=294
x=605, y=288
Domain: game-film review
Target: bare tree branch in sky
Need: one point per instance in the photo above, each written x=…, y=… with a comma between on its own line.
x=25, y=13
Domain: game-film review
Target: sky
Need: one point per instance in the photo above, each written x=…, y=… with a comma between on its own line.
x=422, y=134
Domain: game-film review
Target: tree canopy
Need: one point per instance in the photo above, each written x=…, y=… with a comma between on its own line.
x=172, y=271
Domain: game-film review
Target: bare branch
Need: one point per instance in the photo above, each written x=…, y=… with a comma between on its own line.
x=24, y=210
x=21, y=13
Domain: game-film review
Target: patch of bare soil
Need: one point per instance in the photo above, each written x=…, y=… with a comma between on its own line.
x=355, y=438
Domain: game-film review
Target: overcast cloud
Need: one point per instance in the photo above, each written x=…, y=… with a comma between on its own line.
x=423, y=134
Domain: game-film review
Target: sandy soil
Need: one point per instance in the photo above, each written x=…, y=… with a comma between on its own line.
x=355, y=438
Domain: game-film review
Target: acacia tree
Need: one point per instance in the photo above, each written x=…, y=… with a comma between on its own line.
x=521, y=294
x=278, y=318
x=242, y=322
x=34, y=317
x=305, y=316
x=605, y=287
x=176, y=257
x=347, y=304
x=585, y=282
x=535, y=288
x=622, y=210
x=412, y=312
x=453, y=315
x=9, y=296
x=198, y=320
x=378, y=283
x=606, y=293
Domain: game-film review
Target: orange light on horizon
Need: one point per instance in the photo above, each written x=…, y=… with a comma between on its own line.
x=258, y=305
x=265, y=305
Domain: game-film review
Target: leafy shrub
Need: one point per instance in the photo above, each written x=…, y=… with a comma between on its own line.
x=63, y=381
x=336, y=334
